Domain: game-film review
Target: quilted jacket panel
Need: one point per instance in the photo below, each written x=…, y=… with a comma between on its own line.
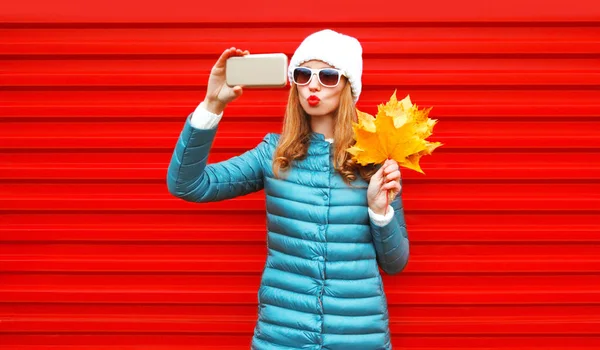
x=321, y=287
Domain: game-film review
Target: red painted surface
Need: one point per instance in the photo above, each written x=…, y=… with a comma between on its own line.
x=96, y=254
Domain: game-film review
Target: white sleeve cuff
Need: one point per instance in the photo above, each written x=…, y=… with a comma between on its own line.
x=381, y=220
x=203, y=119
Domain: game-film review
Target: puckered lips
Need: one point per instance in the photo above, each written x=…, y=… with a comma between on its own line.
x=313, y=100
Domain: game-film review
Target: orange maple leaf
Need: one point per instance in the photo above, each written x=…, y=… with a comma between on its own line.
x=398, y=132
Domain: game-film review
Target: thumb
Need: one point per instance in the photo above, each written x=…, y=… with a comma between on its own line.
x=237, y=91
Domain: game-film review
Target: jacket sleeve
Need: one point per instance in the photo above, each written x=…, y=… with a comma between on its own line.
x=191, y=179
x=391, y=241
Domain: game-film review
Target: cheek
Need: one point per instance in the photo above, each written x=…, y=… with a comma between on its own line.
x=334, y=98
x=303, y=92
x=336, y=92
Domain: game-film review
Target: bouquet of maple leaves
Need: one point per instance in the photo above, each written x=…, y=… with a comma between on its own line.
x=398, y=132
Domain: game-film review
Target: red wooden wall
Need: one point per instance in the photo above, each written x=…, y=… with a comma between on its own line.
x=95, y=253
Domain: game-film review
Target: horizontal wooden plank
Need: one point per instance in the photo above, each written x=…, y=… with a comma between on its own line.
x=247, y=250
x=231, y=295
x=244, y=346
x=254, y=265
x=126, y=165
x=126, y=347
x=131, y=347
x=188, y=221
x=455, y=135
x=411, y=321
x=143, y=105
x=435, y=171
x=418, y=80
x=57, y=295
x=193, y=72
x=240, y=341
x=503, y=313
x=136, y=11
x=472, y=204
x=249, y=258
x=196, y=66
x=425, y=192
x=427, y=197
x=375, y=40
x=188, y=283
x=421, y=233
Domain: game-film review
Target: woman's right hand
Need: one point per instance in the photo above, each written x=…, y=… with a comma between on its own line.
x=218, y=93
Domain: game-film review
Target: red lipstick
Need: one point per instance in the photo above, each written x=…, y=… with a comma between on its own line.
x=313, y=100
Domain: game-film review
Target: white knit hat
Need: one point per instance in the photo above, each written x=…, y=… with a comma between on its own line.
x=338, y=50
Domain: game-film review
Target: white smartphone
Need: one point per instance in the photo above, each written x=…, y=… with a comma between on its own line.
x=259, y=70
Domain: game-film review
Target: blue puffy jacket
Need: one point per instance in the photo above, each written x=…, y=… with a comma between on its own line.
x=320, y=287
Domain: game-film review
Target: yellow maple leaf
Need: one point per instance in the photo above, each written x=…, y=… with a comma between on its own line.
x=398, y=132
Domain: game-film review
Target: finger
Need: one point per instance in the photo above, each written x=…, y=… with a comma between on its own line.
x=223, y=58
x=391, y=162
x=392, y=185
x=395, y=175
x=392, y=167
x=230, y=52
x=387, y=186
x=382, y=169
x=387, y=170
x=239, y=52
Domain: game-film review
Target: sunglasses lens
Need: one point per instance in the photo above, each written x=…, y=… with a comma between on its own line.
x=329, y=77
x=302, y=75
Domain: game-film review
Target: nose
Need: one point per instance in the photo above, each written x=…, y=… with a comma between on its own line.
x=314, y=84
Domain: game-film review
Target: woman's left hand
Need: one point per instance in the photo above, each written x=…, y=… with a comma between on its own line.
x=386, y=178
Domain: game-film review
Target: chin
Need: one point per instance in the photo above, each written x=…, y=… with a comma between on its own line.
x=317, y=111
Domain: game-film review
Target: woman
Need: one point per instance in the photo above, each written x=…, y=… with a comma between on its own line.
x=328, y=227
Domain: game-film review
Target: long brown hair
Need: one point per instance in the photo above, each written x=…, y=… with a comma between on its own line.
x=295, y=137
